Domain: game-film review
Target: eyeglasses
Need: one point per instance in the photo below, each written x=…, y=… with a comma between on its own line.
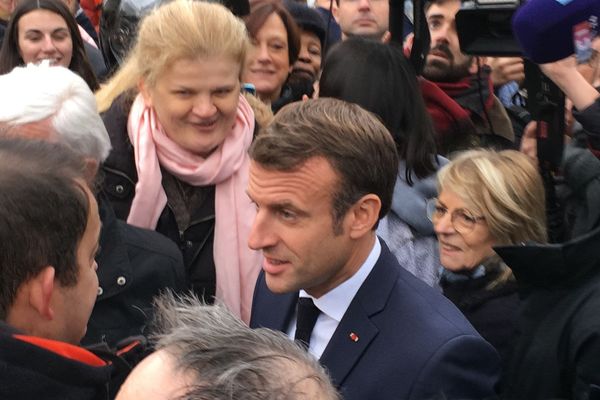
x=463, y=221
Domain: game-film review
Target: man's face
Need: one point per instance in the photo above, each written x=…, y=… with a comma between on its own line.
x=74, y=303
x=155, y=378
x=295, y=230
x=6, y=8
x=445, y=62
x=366, y=18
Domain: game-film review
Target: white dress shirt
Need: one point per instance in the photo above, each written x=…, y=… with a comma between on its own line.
x=333, y=304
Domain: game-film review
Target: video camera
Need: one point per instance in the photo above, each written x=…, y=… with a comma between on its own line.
x=484, y=28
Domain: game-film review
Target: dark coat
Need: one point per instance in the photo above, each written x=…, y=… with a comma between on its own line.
x=491, y=311
x=134, y=265
x=589, y=118
x=557, y=351
x=120, y=177
x=41, y=371
x=413, y=343
x=580, y=193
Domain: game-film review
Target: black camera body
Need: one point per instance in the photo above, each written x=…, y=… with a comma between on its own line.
x=484, y=28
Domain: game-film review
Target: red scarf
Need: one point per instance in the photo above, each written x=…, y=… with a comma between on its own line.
x=451, y=105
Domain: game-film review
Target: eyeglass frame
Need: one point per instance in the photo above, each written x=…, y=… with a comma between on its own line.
x=431, y=209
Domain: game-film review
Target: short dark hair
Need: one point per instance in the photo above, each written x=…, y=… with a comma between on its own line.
x=380, y=79
x=43, y=213
x=356, y=144
x=10, y=56
x=429, y=3
x=259, y=15
x=228, y=359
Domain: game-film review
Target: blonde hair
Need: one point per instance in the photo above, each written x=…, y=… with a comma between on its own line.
x=504, y=187
x=182, y=29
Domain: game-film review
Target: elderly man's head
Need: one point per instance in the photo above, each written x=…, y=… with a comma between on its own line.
x=52, y=103
x=204, y=352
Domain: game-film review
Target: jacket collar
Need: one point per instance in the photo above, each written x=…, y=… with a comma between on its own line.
x=553, y=265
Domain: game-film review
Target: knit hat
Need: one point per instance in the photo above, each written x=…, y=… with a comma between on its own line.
x=307, y=18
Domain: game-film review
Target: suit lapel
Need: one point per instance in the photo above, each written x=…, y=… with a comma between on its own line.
x=356, y=331
x=351, y=338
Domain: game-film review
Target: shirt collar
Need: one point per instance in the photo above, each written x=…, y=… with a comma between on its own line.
x=335, y=302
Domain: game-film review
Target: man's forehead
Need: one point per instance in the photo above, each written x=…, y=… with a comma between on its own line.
x=445, y=9
x=312, y=176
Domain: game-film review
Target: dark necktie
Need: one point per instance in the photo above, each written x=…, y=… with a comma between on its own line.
x=306, y=319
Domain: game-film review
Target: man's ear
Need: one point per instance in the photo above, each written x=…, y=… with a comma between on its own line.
x=41, y=289
x=91, y=169
x=145, y=92
x=365, y=214
x=335, y=12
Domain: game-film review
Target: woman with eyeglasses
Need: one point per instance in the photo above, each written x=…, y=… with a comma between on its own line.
x=486, y=199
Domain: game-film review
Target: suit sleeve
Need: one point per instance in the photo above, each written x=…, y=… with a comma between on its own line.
x=465, y=367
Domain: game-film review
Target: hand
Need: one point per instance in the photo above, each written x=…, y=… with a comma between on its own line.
x=529, y=141
x=566, y=76
x=506, y=69
x=387, y=36
x=408, y=43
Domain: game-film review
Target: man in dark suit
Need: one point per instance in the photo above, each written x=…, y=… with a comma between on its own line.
x=322, y=176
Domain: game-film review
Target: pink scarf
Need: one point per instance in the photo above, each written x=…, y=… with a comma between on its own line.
x=236, y=266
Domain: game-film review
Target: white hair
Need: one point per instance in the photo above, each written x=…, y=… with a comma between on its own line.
x=38, y=92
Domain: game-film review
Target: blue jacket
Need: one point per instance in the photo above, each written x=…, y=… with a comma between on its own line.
x=413, y=343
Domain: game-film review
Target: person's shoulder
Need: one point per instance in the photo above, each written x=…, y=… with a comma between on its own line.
x=149, y=241
x=153, y=255
x=116, y=116
x=426, y=307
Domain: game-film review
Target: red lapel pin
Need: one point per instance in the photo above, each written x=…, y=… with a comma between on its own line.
x=353, y=337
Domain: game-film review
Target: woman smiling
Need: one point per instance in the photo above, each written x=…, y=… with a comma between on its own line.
x=45, y=30
x=275, y=46
x=180, y=131
x=486, y=199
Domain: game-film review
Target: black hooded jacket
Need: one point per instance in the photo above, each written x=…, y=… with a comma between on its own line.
x=557, y=350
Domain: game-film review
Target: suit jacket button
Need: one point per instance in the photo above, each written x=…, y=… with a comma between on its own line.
x=119, y=189
x=100, y=291
x=121, y=281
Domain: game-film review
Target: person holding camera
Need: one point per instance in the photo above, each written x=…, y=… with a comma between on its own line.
x=458, y=90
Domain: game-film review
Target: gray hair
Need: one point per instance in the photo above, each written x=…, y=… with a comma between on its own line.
x=232, y=361
x=39, y=92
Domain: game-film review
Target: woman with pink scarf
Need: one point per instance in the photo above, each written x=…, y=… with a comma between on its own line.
x=180, y=130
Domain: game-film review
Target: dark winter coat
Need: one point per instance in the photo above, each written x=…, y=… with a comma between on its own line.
x=557, y=349
x=491, y=310
x=35, y=368
x=120, y=177
x=134, y=266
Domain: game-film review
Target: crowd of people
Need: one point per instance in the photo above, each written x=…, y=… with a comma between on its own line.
x=267, y=200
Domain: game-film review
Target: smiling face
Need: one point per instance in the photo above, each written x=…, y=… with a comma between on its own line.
x=294, y=228
x=268, y=61
x=196, y=101
x=459, y=252
x=366, y=18
x=445, y=62
x=44, y=35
